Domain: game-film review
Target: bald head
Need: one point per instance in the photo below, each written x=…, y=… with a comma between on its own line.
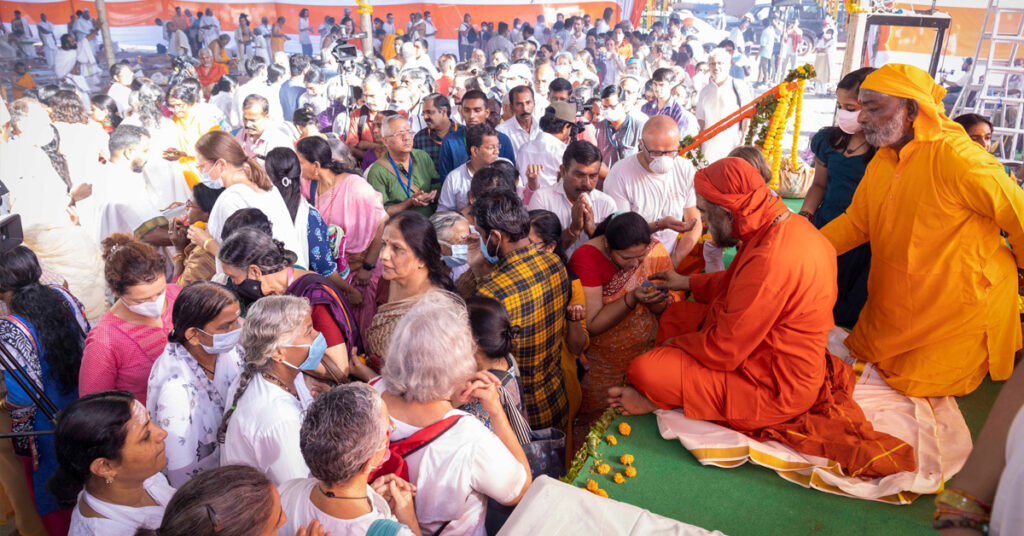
x=661, y=133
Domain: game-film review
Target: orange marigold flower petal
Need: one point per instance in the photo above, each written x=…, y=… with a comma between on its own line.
x=624, y=428
x=611, y=439
x=591, y=485
x=631, y=471
x=626, y=459
x=618, y=478
x=602, y=493
x=603, y=469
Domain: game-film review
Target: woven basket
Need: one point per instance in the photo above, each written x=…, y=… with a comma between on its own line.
x=794, y=183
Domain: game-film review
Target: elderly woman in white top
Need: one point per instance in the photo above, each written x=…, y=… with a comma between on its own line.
x=189, y=382
x=344, y=438
x=261, y=426
x=429, y=371
x=110, y=456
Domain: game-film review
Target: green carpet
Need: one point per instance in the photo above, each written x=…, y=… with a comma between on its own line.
x=753, y=500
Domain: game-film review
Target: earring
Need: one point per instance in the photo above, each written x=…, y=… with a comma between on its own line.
x=110, y=480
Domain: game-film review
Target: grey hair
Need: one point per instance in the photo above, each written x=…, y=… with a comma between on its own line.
x=21, y=109
x=408, y=50
x=443, y=223
x=431, y=353
x=385, y=127
x=342, y=430
x=205, y=50
x=272, y=322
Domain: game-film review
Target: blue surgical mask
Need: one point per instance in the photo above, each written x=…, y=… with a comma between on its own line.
x=459, y=256
x=222, y=342
x=493, y=259
x=205, y=180
x=315, y=355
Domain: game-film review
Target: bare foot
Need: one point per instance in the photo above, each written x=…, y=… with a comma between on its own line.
x=629, y=401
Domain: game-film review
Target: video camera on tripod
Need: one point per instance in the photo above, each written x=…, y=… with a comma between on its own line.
x=11, y=236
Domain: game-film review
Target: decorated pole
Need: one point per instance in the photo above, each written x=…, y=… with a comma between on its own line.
x=769, y=115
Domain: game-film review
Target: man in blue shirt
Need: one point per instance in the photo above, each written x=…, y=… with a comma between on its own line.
x=453, y=149
x=291, y=90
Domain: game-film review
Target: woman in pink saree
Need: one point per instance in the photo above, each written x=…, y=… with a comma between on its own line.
x=622, y=314
x=348, y=202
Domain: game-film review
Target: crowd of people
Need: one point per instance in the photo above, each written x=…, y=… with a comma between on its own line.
x=333, y=293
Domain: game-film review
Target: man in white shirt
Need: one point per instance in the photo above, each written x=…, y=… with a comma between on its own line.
x=483, y=146
x=540, y=159
x=603, y=24
x=177, y=45
x=575, y=199
x=500, y=41
x=543, y=75
x=632, y=92
x=210, y=27
x=389, y=24
x=259, y=134
x=430, y=33
x=122, y=203
x=465, y=43
x=47, y=36
x=657, y=183
x=721, y=97
x=521, y=127
x=121, y=76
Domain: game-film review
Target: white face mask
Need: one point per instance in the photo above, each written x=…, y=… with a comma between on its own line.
x=661, y=165
x=614, y=115
x=847, y=121
x=152, y=309
x=222, y=342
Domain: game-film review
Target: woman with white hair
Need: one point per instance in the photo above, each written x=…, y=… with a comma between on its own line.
x=261, y=426
x=430, y=370
x=344, y=438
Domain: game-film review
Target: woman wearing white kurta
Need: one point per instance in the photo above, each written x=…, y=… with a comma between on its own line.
x=219, y=157
x=114, y=489
x=430, y=361
x=261, y=427
x=189, y=382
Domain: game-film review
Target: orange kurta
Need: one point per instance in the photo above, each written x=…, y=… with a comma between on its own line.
x=942, y=293
x=751, y=352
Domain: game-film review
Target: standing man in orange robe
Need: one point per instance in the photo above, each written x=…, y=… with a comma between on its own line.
x=750, y=352
x=942, y=292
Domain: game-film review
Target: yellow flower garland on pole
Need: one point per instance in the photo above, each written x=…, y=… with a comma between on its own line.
x=793, y=156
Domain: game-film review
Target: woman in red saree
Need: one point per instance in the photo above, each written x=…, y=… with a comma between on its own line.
x=621, y=313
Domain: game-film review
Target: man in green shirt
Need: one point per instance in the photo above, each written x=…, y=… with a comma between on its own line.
x=406, y=177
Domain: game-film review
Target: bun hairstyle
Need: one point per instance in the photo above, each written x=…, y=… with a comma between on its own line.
x=250, y=247
x=624, y=230
x=219, y=145
x=128, y=262
x=492, y=330
x=316, y=150
x=89, y=428
x=233, y=500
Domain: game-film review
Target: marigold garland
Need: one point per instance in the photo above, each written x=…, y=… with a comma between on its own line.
x=793, y=154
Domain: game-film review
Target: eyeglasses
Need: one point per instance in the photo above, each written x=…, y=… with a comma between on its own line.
x=400, y=134
x=672, y=152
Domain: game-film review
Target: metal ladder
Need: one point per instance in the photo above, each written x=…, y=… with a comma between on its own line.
x=990, y=97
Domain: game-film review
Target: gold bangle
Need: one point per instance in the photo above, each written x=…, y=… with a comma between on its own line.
x=961, y=500
x=205, y=244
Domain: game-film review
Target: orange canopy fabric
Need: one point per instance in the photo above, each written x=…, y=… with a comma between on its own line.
x=750, y=353
x=942, y=293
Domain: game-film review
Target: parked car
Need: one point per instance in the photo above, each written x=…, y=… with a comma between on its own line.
x=811, y=15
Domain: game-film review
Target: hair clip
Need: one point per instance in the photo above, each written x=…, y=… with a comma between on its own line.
x=214, y=518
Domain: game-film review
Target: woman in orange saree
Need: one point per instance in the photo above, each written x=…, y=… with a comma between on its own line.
x=621, y=313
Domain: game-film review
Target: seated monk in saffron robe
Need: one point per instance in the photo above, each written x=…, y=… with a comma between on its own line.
x=750, y=352
x=942, y=307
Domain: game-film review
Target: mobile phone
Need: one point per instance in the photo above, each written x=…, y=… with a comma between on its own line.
x=647, y=284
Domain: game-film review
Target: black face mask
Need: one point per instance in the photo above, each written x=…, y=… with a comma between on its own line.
x=250, y=289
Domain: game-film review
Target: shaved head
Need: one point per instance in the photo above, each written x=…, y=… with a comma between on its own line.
x=661, y=133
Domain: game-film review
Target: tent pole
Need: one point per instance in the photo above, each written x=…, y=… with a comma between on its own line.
x=108, y=43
